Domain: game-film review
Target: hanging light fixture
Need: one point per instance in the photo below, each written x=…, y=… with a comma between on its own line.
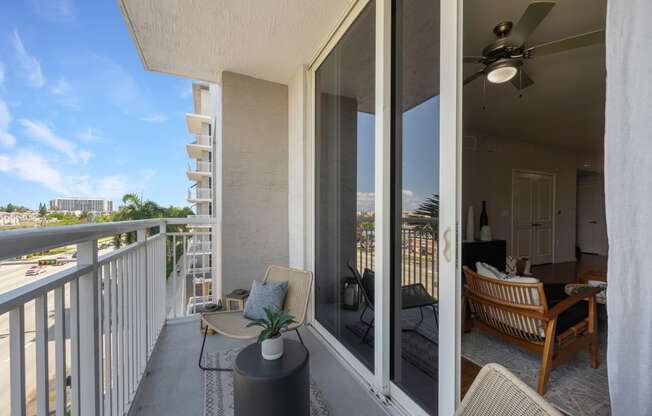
x=502, y=70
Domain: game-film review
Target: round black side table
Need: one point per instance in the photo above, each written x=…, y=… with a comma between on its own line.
x=272, y=388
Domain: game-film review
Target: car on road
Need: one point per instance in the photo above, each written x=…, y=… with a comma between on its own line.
x=34, y=271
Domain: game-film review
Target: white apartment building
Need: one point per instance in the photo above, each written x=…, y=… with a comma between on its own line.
x=200, y=263
x=93, y=205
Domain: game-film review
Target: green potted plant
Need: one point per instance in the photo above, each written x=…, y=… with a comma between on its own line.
x=271, y=343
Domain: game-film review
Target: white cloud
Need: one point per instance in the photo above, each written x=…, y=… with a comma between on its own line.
x=6, y=138
x=410, y=200
x=155, y=118
x=32, y=167
x=365, y=201
x=42, y=133
x=54, y=10
x=89, y=135
x=28, y=66
x=114, y=186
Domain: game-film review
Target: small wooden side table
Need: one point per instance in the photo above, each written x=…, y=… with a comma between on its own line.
x=236, y=301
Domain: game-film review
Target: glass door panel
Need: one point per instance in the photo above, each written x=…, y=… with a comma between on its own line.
x=344, y=188
x=415, y=200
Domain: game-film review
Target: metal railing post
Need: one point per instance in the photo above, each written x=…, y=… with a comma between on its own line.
x=89, y=348
x=141, y=236
x=175, y=276
x=162, y=298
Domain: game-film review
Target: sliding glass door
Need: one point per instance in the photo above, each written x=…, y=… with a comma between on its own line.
x=386, y=198
x=344, y=189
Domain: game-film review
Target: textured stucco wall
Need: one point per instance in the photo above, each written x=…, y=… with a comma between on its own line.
x=255, y=178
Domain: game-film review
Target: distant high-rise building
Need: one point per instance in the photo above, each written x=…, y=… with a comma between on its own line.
x=93, y=205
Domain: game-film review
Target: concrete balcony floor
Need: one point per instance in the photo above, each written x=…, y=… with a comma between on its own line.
x=174, y=384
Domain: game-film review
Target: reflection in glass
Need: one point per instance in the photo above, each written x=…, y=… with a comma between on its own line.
x=415, y=202
x=344, y=220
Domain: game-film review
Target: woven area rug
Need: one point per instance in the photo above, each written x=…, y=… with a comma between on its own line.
x=574, y=386
x=218, y=387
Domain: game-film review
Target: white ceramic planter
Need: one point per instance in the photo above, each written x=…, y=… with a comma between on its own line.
x=272, y=348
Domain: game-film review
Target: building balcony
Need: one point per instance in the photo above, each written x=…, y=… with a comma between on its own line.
x=116, y=333
x=201, y=171
x=200, y=195
x=199, y=248
x=198, y=123
x=200, y=147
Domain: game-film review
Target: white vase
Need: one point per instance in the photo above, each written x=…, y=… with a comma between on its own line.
x=272, y=348
x=470, y=224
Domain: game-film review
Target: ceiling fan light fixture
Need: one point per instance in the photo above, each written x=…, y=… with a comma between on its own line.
x=502, y=70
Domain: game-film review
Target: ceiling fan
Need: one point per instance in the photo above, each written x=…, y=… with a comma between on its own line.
x=503, y=59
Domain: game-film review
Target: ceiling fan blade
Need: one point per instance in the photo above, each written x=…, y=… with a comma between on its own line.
x=522, y=80
x=566, y=44
x=472, y=77
x=533, y=16
x=473, y=59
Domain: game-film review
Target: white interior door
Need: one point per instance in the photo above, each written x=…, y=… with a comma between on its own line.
x=533, y=207
x=591, y=220
x=542, y=228
x=522, y=217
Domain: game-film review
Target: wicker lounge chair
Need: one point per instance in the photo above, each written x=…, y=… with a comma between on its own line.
x=497, y=392
x=234, y=325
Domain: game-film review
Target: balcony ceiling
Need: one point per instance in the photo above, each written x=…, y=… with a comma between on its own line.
x=200, y=38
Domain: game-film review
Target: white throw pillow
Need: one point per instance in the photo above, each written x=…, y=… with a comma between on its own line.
x=487, y=270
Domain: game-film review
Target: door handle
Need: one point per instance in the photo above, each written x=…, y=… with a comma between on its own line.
x=447, y=244
x=536, y=225
x=593, y=222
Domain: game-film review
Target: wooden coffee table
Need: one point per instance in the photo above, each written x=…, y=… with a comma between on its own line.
x=573, y=288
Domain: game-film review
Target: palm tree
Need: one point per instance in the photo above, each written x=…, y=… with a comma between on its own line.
x=429, y=207
x=136, y=208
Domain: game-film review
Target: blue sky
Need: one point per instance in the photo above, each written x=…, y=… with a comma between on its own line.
x=79, y=116
x=420, y=155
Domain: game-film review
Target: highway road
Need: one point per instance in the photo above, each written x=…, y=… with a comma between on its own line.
x=11, y=277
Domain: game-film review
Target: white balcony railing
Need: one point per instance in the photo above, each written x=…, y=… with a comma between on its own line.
x=107, y=314
x=199, y=219
x=190, y=266
x=199, y=193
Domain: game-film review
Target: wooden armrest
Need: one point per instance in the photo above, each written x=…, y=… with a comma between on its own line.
x=572, y=300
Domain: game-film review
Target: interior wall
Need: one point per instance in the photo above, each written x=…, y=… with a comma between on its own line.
x=487, y=175
x=296, y=168
x=255, y=178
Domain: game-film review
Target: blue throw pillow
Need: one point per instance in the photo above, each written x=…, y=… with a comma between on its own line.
x=270, y=295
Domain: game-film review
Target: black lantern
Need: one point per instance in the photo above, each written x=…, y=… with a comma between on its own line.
x=350, y=294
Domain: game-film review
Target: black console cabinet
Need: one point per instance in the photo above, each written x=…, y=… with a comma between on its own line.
x=492, y=252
